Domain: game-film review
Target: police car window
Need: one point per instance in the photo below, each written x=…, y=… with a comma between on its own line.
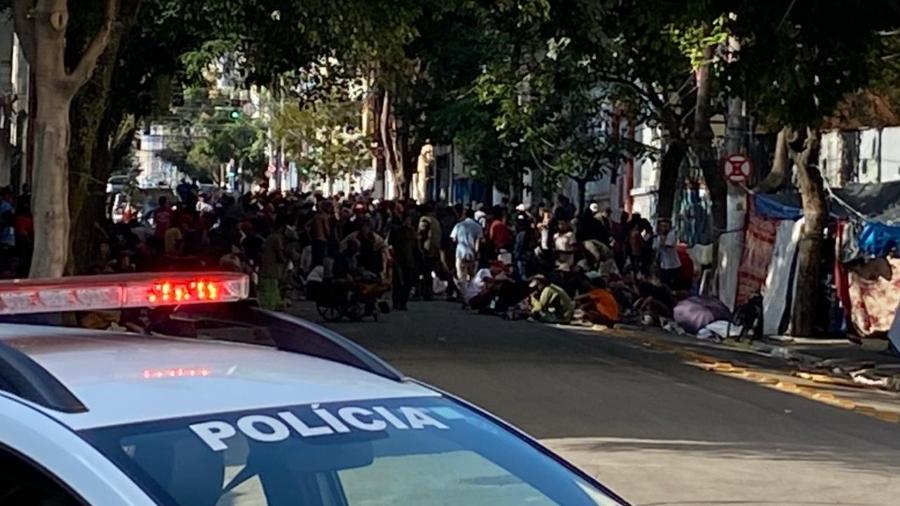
x=423, y=451
x=21, y=482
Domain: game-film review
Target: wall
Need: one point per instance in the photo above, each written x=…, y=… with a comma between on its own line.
x=867, y=156
x=154, y=171
x=645, y=180
x=890, y=154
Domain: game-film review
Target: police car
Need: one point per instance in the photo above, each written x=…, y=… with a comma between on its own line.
x=304, y=417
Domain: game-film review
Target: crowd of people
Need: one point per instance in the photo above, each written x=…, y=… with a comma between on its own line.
x=547, y=262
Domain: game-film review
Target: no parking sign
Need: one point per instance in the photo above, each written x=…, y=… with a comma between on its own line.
x=738, y=168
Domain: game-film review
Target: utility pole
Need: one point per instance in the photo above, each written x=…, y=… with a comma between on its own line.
x=731, y=240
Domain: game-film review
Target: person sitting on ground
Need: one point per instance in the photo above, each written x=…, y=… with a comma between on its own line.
x=599, y=305
x=549, y=302
x=487, y=291
x=654, y=304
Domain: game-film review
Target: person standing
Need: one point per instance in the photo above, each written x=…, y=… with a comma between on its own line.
x=545, y=238
x=588, y=225
x=666, y=246
x=522, y=247
x=636, y=244
x=162, y=218
x=271, y=269
x=467, y=234
x=430, y=247
x=320, y=231
x=565, y=209
x=565, y=244
x=499, y=232
x=448, y=219
x=403, y=240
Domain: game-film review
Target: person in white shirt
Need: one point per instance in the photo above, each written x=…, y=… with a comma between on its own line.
x=203, y=206
x=666, y=244
x=467, y=235
x=564, y=244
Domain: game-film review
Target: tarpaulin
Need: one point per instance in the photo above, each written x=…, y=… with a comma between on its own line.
x=768, y=206
x=779, y=278
x=758, y=245
x=879, y=240
x=876, y=202
x=696, y=312
x=875, y=295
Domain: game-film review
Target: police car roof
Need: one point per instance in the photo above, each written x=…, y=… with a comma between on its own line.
x=126, y=378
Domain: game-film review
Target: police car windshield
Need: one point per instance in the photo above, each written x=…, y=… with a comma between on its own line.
x=422, y=451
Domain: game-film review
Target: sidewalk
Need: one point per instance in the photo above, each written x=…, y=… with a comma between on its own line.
x=834, y=372
x=869, y=364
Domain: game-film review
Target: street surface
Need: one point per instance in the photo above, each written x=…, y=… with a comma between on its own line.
x=653, y=429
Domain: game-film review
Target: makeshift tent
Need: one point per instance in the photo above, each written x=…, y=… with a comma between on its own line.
x=876, y=205
x=780, y=275
x=758, y=246
x=875, y=295
x=868, y=218
x=876, y=202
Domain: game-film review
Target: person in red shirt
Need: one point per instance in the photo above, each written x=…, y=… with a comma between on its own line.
x=162, y=218
x=500, y=234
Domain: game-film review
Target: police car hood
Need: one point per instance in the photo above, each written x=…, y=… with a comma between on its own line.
x=126, y=378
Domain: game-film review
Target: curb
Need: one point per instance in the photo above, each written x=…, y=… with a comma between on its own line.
x=744, y=372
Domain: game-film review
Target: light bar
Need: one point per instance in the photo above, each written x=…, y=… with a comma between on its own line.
x=119, y=291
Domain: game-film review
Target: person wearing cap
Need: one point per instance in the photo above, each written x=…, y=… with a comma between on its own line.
x=522, y=247
x=549, y=302
x=588, y=224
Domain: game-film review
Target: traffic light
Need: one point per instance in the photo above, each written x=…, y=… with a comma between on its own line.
x=235, y=114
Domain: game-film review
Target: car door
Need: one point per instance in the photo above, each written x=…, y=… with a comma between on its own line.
x=52, y=463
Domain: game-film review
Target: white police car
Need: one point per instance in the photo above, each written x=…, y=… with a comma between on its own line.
x=115, y=418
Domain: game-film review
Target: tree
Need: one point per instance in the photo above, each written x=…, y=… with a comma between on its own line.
x=798, y=65
x=324, y=137
x=169, y=39
x=643, y=53
x=41, y=26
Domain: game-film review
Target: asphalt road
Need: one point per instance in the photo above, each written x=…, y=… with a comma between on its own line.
x=653, y=429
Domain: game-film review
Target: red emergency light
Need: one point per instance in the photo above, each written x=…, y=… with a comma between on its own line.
x=177, y=372
x=119, y=291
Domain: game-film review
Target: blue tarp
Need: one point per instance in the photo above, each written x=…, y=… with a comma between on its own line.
x=771, y=208
x=878, y=240
x=878, y=203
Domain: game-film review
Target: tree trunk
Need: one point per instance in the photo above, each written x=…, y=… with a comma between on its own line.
x=582, y=193
x=89, y=152
x=379, y=190
x=393, y=151
x=781, y=164
x=670, y=167
x=804, y=152
x=50, y=190
x=41, y=27
x=703, y=148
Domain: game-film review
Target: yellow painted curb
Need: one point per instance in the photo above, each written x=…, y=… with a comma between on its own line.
x=712, y=364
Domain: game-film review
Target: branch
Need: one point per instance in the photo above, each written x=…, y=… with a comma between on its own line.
x=24, y=23
x=85, y=68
